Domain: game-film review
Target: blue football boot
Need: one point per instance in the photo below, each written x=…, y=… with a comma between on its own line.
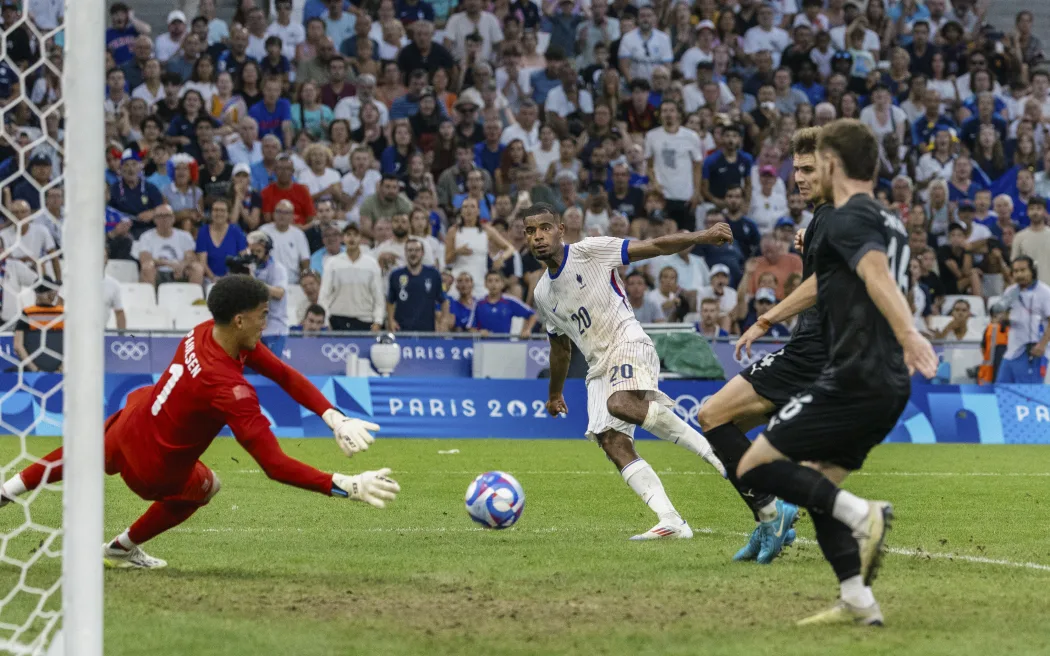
x=751, y=549
x=775, y=532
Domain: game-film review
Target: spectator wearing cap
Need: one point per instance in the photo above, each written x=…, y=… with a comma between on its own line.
x=768, y=202
x=472, y=20
x=271, y=272
x=166, y=253
x=121, y=34
x=718, y=289
x=274, y=113
x=784, y=230
x=726, y=168
x=168, y=44
x=1033, y=241
x=132, y=195
x=284, y=188
x=38, y=333
x=600, y=29
x=765, y=299
x=701, y=51
x=416, y=300
x=468, y=127
x=350, y=108
x=218, y=240
x=644, y=47
x=31, y=188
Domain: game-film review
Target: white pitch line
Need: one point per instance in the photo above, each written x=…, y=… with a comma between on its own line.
x=671, y=472
x=898, y=551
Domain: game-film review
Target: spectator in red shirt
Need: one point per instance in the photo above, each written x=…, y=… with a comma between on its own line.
x=284, y=188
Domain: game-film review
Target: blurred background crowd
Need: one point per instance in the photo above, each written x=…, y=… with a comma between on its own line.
x=368, y=160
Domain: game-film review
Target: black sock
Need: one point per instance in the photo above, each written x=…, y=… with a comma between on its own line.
x=838, y=544
x=730, y=444
x=802, y=486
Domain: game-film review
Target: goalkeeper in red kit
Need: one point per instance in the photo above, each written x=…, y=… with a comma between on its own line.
x=156, y=440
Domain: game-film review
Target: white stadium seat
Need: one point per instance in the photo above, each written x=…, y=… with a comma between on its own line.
x=992, y=300
x=138, y=295
x=123, y=270
x=178, y=295
x=187, y=318
x=976, y=304
x=148, y=318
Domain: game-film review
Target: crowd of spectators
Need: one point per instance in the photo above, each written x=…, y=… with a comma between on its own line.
x=378, y=153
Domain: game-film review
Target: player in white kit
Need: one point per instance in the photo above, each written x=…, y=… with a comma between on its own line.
x=581, y=301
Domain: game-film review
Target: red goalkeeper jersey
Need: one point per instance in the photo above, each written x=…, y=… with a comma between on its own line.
x=164, y=429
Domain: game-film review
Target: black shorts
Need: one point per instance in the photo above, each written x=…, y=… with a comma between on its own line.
x=784, y=373
x=837, y=427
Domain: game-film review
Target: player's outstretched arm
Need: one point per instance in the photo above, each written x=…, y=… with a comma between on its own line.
x=804, y=297
x=873, y=268
x=352, y=435
x=678, y=242
x=561, y=354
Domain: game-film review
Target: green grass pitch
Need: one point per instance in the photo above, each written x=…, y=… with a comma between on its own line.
x=266, y=569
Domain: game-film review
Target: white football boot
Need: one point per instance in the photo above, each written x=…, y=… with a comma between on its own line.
x=677, y=528
x=134, y=558
x=844, y=612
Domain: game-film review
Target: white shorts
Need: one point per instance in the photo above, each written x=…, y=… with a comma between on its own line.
x=629, y=366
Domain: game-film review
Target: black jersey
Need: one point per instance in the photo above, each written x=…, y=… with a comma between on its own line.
x=808, y=325
x=863, y=350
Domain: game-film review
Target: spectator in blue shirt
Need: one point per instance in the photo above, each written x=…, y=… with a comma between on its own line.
x=183, y=127
x=30, y=188
x=494, y=313
x=218, y=240
x=765, y=299
x=726, y=168
x=132, y=195
x=395, y=158
x=488, y=153
x=121, y=36
x=985, y=116
x=407, y=105
x=932, y=121
x=233, y=59
x=746, y=234
x=808, y=84
x=415, y=292
x=409, y=11
x=709, y=325
x=543, y=81
x=462, y=307
x=274, y=113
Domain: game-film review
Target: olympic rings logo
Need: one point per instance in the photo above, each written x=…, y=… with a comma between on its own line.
x=129, y=350
x=540, y=355
x=687, y=406
x=336, y=352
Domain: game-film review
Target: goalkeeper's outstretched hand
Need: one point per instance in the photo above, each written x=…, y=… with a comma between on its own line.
x=372, y=487
x=352, y=435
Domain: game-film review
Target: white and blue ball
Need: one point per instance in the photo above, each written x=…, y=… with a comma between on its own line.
x=495, y=500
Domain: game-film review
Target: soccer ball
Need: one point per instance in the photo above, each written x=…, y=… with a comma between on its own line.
x=495, y=500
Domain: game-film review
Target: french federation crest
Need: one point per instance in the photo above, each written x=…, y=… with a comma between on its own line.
x=428, y=285
x=579, y=279
x=402, y=280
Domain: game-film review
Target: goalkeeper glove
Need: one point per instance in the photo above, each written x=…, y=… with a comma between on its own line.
x=352, y=435
x=372, y=487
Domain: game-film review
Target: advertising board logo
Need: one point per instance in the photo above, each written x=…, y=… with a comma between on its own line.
x=129, y=350
x=686, y=406
x=336, y=352
x=540, y=355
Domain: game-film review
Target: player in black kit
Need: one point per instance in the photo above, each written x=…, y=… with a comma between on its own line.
x=748, y=399
x=861, y=265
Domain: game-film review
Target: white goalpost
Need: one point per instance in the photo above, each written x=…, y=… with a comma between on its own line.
x=82, y=509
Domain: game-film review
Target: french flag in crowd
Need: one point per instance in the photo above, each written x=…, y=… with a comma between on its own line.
x=114, y=217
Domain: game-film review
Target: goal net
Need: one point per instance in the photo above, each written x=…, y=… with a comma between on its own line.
x=51, y=100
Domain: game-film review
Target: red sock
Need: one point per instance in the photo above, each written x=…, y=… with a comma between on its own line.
x=161, y=516
x=33, y=475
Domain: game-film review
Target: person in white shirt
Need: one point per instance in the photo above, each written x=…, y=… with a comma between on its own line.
x=1028, y=301
x=46, y=14
x=676, y=159
x=290, y=33
x=244, y=146
x=218, y=30
x=962, y=327
x=472, y=19
x=766, y=36
x=168, y=44
x=644, y=48
x=568, y=97
x=290, y=247
x=719, y=289
x=361, y=181
x=352, y=287
x=1034, y=241
x=703, y=51
x=391, y=252
x=767, y=202
x=113, y=298
x=166, y=253
x=528, y=126
x=350, y=108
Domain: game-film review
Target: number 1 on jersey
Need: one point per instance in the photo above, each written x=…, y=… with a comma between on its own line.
x=175, y=372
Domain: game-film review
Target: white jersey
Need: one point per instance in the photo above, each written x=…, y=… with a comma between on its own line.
x=584, y=299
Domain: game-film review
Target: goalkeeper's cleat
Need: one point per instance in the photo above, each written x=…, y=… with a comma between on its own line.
x=117, y=557
x=846, y=613
x=871, y=538
x=790, y=539
x=672, y=529
x=775, y=532
x=754, y=544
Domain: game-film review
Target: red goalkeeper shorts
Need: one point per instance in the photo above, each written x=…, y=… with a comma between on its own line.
x=157, y=483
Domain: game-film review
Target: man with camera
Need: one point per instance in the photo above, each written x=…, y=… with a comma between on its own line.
x=1028, y=301
x=260, y=262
